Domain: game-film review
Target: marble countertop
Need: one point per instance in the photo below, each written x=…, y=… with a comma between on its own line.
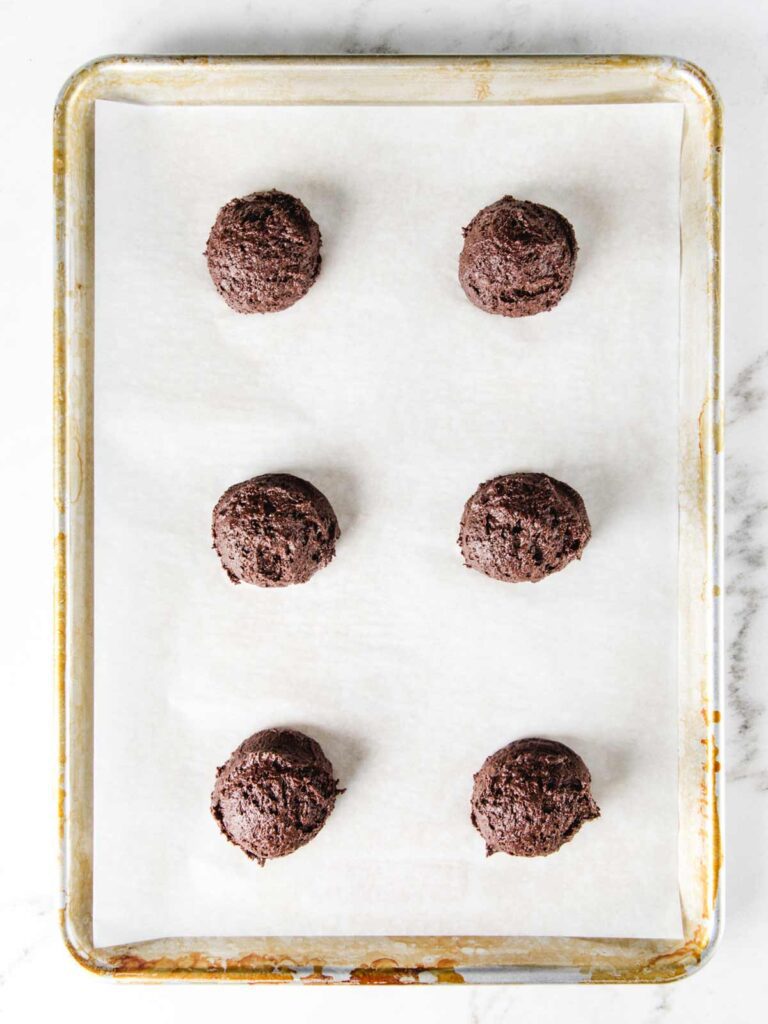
x=41, y=43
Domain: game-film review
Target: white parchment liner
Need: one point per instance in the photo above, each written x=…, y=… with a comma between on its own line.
x=396, y=397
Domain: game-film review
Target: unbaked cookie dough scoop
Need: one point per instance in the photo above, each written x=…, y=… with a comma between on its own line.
x=518, y=258
x=263, y=252
x=274, y=794
x=274, y=530
x=523, y=527
x=531, y=797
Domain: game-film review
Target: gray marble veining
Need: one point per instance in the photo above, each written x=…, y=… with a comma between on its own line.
x=746, y=552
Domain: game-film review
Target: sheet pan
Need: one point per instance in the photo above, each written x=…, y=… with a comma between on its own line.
x=411, y=81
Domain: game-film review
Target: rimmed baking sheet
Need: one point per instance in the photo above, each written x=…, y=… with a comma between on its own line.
x=397, y=397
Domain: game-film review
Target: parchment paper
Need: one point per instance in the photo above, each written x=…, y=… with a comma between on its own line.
x=396, y=397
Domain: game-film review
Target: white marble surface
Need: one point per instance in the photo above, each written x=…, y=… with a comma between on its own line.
x=40, y=43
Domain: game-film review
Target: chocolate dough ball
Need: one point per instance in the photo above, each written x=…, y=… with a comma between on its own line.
x=274, y=530
x=274, y=794
x=524, y=526
x=518, y=258
x=263, y=252
x=530, y=797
